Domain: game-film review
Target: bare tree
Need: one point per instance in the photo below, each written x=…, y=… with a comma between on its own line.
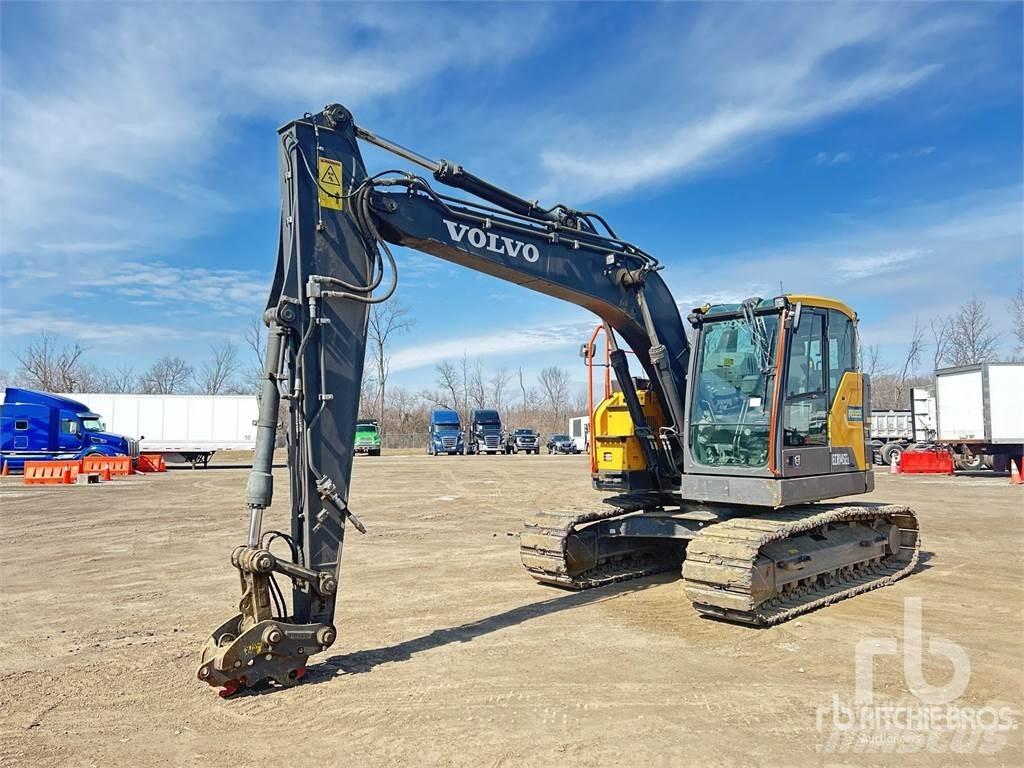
x=522, y=388
x=167, y=376
x=499, y=386
x=120, y=379
x=215, y=373
x=941, y=332
x=554, y=386
x=450, y=383
x=52, y=366
x=1017, y=318
x=972, y=339
x=476, y=390
x=368, y=394
x=873, y=365
x=255, y=336
x=256, y=340
x=386, y=320
x=910, y=361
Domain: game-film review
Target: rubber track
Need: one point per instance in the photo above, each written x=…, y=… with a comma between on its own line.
x=731, y=548
x=543, y=544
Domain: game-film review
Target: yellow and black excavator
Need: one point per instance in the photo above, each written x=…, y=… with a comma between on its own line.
x=717, y=460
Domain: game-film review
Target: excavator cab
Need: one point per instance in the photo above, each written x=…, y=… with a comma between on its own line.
x=775, y=410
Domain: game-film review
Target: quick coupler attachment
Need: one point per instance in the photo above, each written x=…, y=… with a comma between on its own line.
x=270, y=650
x=254, y=646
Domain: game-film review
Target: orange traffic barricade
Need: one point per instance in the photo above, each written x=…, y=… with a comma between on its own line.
x=926, y=463
x=118, y=465
x=51, y=472
x=151, y=462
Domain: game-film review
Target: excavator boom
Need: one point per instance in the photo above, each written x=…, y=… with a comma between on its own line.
x=333, y=262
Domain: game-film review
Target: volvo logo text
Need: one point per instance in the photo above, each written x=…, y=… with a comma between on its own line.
x=491, y=242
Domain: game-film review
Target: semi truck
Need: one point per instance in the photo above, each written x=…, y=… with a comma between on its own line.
x=444, y=435
x=973, y=411
x=192, y=427
x=485, y=434
x=40, y=426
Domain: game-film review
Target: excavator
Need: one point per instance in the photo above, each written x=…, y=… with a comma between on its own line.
x=717, y=459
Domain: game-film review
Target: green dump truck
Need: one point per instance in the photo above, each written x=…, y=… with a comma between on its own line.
x=367, y=437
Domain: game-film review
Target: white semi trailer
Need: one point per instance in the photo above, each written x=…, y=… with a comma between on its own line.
x=193, y=427
x=973, y=410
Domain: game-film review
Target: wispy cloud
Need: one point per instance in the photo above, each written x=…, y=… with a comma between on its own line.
x=910, y=153
x=220, y=291
x=120, y=138
x=108, y=335
x=509, y=341
x=921, y=253
x=736, y=80
x=828, y=158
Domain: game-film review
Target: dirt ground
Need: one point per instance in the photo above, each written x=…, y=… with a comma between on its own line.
x=448, y=653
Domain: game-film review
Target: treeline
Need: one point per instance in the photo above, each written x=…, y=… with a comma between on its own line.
x=963, y=337
x=545, y=402
x=51, y=364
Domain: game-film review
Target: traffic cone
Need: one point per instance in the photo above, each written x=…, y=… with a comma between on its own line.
x=5, y=471
x=66, y=477
x=894, y=467
x=105, y=474
x=1015, y=478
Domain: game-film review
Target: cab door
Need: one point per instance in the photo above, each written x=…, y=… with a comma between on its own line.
x=805, y=441
x=846, y=393
x=69, y=433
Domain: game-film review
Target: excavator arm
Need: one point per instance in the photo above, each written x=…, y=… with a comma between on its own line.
x=333, y=263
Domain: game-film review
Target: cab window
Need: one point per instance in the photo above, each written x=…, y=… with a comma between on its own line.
x=69, y=426
x=806, y=406
x=841, y=348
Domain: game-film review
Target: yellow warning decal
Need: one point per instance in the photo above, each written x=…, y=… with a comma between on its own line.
x=331, y=174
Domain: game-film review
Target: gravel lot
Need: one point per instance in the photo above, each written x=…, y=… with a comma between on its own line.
x=448, y=653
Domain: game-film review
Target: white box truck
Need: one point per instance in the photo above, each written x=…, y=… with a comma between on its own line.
x=193, y=427
x=973, y=410
x=979, y=408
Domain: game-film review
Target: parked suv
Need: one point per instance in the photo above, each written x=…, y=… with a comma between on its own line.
x=562, y=444
x=525, y=440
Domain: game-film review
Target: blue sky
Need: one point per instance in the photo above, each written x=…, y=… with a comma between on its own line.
x=870, y=152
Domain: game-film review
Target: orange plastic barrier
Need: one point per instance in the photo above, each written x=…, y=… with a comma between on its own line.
x=926, y=463
x=151, y=462
x=51, y=472
x=118, y=465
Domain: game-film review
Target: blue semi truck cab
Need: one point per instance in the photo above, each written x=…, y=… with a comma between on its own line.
x=445, y=433
x=38, y=425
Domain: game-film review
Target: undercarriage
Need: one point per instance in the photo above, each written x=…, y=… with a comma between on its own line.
x=738, y=564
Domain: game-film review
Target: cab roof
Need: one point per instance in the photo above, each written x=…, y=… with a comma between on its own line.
x=822, y=302
x=32, y=397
